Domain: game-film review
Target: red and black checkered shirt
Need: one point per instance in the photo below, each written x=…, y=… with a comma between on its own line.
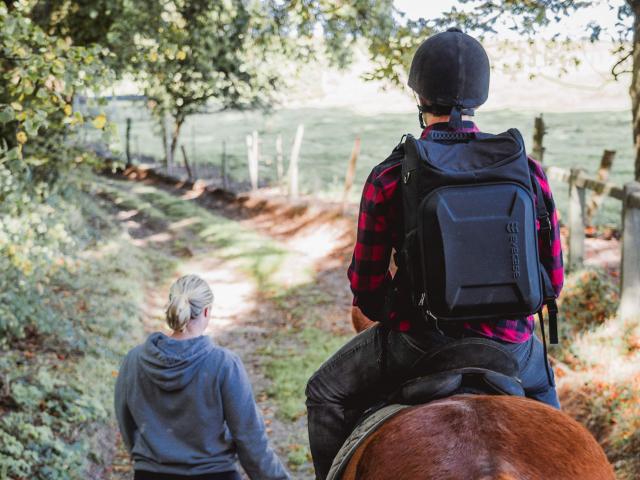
x=379, y=230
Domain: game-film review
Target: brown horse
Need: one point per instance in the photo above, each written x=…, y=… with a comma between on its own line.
x=478, y=437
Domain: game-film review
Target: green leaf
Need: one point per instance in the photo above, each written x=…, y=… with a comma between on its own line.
x=7, y=114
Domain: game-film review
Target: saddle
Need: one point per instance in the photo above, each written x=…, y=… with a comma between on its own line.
x=469, y=365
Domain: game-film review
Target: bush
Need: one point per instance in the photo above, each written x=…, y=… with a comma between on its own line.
x=39, y=241
x=63, y=325
x=39, y=76
x=590, y=297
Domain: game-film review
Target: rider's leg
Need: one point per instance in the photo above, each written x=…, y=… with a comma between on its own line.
x=533, y=372
x=350, y=369
x=356, y=377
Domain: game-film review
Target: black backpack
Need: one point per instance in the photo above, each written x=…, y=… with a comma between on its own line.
x=470, y=245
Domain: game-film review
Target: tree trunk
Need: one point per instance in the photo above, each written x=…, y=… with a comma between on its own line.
x=174, y=137
x=634, y=90
x=163, y=130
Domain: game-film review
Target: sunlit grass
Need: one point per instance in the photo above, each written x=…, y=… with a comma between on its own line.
x=291, y=363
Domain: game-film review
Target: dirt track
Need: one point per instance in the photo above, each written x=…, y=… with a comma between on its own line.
x=244, y=320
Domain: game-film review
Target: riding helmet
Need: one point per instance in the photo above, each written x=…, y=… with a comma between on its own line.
x=451, y=69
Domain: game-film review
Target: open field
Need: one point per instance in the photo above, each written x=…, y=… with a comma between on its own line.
x=573, y=139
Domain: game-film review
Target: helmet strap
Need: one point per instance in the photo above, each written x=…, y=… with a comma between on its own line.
x=455, y=118
x=420, y=117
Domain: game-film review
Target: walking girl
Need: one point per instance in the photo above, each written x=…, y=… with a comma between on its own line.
x=185, y=406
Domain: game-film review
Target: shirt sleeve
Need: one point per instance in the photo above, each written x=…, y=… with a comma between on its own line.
x=550, y=252
x=247, y=427
x=368, y=273
x=126, y=423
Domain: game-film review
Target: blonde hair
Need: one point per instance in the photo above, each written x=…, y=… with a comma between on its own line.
x=188, y=297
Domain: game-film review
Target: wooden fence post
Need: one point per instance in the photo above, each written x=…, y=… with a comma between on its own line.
x=128, y=142
x=538, y=135
x=293, y=162
x=603, y=175
x=252, y=156
x=165, y=146
x=223, y=167
x=576, y=220
x=630, y=263
x=279, y=159
x=351, y=173
x=194, y=156
x=186, y=162
x=256, y=147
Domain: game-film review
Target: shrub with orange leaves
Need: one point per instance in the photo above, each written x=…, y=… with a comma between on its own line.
x=590, y=297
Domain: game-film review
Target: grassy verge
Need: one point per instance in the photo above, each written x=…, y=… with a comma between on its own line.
x=63, y=337
x=293, y=359
x=294, y=354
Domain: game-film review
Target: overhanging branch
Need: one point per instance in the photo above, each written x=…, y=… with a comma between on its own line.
x=624, y=58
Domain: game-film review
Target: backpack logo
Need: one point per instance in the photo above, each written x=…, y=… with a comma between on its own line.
x=513, y=230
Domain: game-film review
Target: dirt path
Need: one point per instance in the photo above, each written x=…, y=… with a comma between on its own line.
x=244, y=319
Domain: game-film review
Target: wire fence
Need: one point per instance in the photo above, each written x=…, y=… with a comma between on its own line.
x=245, y=150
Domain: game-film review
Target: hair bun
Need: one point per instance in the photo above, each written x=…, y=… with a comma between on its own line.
x=188, y=297
x=179, y=312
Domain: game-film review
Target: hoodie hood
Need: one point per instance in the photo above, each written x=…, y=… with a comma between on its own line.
x=171, y=364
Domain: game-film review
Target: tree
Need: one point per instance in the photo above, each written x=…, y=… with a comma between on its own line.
x=85, y=22
x=190, y=54
x=39, y=74
x=390, y=43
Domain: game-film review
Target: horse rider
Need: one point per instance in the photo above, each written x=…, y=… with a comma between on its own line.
x=450, y=77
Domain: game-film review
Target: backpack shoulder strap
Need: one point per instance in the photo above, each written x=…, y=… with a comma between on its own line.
x=541, y=210
x=515, y=133
x=542, y=214
x=409, y=185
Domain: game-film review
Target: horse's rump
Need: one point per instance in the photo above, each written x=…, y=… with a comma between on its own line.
x=480, y=437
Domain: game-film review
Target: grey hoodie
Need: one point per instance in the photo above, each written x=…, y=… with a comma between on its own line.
x=186, y=407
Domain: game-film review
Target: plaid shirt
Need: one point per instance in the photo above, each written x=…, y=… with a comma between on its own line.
x=379, y=230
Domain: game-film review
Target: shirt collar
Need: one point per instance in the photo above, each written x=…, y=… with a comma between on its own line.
x=467, y=127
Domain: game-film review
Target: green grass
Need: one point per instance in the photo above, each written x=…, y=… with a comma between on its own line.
x=293, y=359
x=573, y=139
x=297, y=352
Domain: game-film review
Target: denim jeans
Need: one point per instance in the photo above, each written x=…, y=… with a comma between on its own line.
x=375, y=363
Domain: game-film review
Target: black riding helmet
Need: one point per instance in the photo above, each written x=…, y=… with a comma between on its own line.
x=450, y=69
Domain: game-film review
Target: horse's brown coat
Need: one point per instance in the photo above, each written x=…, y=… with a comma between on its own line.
x=474, y=437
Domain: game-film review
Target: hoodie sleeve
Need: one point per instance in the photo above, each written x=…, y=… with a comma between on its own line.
x=246, y=425
x=125, y=420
